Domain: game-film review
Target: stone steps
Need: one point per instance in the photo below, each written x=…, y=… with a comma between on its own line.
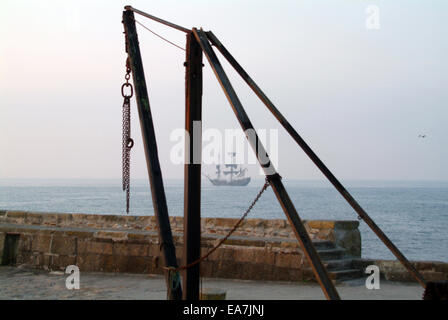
x=339, y=266
x=323, y=244
x=347, y=274
x=331, y=254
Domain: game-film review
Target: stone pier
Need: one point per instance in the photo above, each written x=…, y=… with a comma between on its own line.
x=259, y=249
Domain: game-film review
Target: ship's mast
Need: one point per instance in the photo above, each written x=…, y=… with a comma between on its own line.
x=232, y=166
x=218, y=171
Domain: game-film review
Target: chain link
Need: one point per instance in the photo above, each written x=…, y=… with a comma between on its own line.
x=127, y=142
x=127, y=145
x=263, y=189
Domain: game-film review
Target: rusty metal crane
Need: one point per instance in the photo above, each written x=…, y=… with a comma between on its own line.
x=199, y=42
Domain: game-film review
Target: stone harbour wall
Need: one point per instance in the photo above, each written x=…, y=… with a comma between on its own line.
x=259, y=249
x=344, y=234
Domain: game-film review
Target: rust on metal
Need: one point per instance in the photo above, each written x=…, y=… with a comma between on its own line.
x=152, y=158
x=167, y=23
x=192, y=168
x=199, y=41
x=273, y=177
x=362, y=215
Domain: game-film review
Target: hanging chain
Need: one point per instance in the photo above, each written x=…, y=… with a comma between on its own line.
x=263, y=189
x=127, y=142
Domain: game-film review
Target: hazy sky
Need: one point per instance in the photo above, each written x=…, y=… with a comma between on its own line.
x=359, y=97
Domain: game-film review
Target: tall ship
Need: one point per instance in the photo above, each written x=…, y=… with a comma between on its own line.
x=231, y=175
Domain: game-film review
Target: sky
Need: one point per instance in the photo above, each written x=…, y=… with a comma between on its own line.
x=360, y=97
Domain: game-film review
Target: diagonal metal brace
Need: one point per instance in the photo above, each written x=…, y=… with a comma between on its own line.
x=362, y=214
x=274, y=179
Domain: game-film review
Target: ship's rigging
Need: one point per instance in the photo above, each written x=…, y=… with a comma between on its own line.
x=234, y=174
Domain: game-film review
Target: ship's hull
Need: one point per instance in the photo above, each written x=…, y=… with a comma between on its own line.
x=236, y=182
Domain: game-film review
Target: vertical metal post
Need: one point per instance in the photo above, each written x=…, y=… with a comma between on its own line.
x=192, y=171
x=274, y=179
x=152, y=158
x=322, y=167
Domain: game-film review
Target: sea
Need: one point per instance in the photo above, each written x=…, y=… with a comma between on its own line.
x=413, y=214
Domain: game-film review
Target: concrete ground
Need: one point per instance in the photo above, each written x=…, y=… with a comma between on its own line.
x=23, y=283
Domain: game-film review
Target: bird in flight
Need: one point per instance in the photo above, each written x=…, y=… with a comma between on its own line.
x=422, y=135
